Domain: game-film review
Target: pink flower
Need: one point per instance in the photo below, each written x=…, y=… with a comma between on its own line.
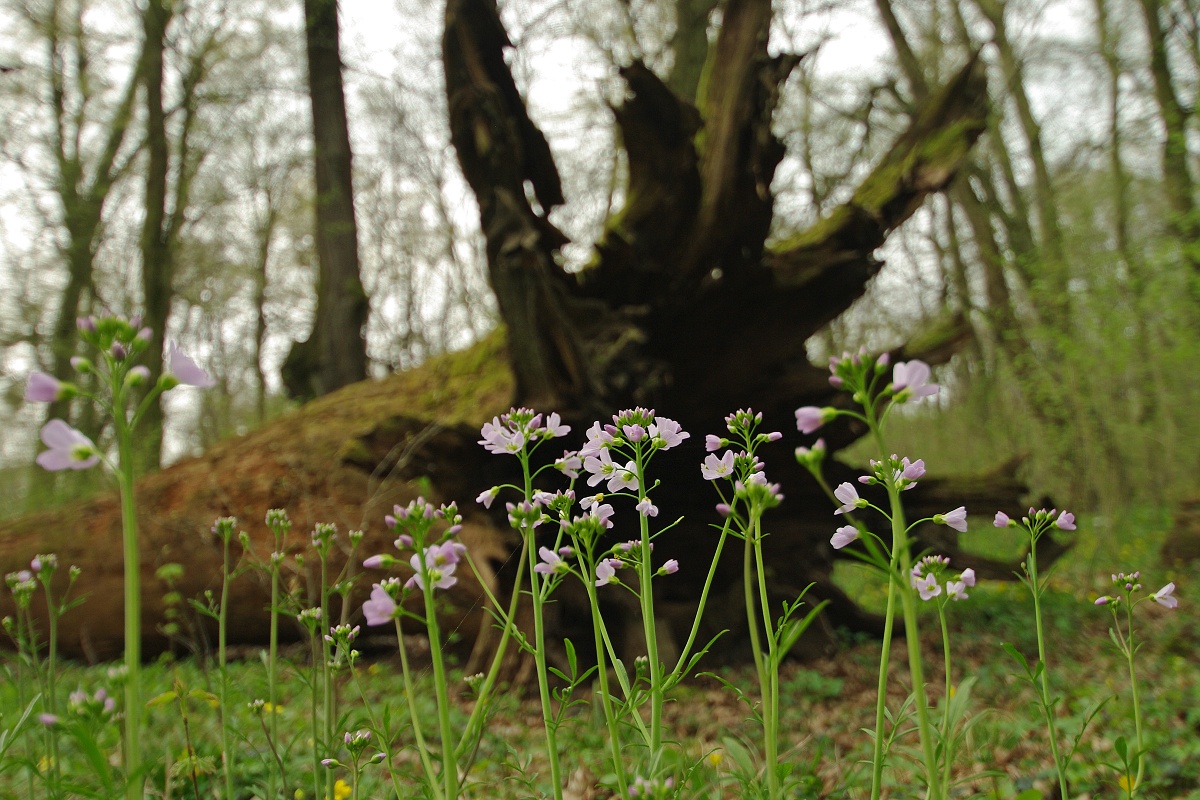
x=713, y=443
x=809, y=419
x=669, y=568
x=667, y=433
x=43, y=388
x=843, y=536
x=714, y=468
x=1065, y=521
x=956, y=519
x=606, y=571
x=554, y=427
x=380, y=608
x=957, y=590
x=374, y=562
x=848, y=495
x=183, y=368
x=1002, y=520
x=69, y=449
x=647, y=509
x=910, y=380
x=487, y=496
x=968, y=577
x=1165, y=596
x=551, y=562
x=927, y=587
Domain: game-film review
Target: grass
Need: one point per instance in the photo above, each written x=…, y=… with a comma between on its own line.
x=826, y=703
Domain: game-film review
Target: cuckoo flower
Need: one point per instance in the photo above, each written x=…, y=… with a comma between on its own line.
x=380, y=608
x=910, y=380
x=69, y=449
x=185, y=369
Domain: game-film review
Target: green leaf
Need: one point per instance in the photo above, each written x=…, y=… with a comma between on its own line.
x=1030, y=794
x=161, y=700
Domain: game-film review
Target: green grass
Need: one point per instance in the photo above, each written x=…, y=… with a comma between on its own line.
x=826, y=702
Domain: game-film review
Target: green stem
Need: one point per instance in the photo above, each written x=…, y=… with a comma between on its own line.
x=384, y=736
x=770, y=689
x=227, y=751
x=539, y=657
x=752, y=620
x=610, y=717
x=327, y=684
x=272, y=668
x=475, y=721
x=889, y=623
x=1047, y=707
x=677, y=673
x=646, y=598
x=1137, y=706
x=946, y=732
x=449, y=763
x=410, y=694
x=133, y=610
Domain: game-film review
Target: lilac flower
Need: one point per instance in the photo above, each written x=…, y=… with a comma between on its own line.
x=667, y=433
x=1065, y=521
x=551, y=562
x=849, y=498
x=603, y=513
x=569, y=464
x=646, y=508
x=487, y=496
x=554, y=427
x=968, y=577
x=380, y=608
x=713, y=443
x=910, y=380
x=927, y=587
x=1103, y=600
x=183, y=368
x=1002, y=520
x=374, y=562
x=592, y=501
x=623, y=478
x=634, y=432
x=598, y=439
x=47, y=719
x=500, y=439
x=442, y=576
x=600, y=466
x=956, y=519
x=606, y=571
x=809, y=419
x=843, y=536
x=445, y=554
x=957, y=590
x=1165, y=596
x=69, y=449
x=714, y=468
x=669, y=568
x=911, y=473
x=43, y=388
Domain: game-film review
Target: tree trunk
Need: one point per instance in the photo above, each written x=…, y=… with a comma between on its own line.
x=335, y=354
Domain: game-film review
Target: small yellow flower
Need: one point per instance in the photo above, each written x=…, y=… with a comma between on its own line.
x=298, y=795
x=272, y=708
x=341, y=790
x=715, y=758
x=374, y=669
x=1126, y=783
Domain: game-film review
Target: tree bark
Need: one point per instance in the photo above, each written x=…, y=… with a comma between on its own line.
x=335, y=354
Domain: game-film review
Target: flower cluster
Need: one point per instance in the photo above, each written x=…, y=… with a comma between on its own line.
x=742, y=467
x=860, y=374
x=633, y=433
x=652, y=788
x=926, y=579
x=511, y=432
x=1127, y=585
x=896, y=471
x=98, y=706
x=118, y=341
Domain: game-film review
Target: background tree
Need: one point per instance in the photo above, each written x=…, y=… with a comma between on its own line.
x=335, y=354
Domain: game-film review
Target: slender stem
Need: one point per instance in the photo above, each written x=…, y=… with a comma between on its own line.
x=946, y=732
x=1130, y=649
x=384, y=736
x=610, y=717
x=681, y=664
x=327, y=684
x=449, y=763
x=133, y=610
x=1047, y=706
x=410, y=694
x=223, y=613
x=770, y=689
x=272, y=668
x=752, y=617
x=646, y=598
x=889, y=622
x=475, y=721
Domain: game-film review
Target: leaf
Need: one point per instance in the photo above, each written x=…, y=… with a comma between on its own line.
x=1030, y=794
x=162, y=700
